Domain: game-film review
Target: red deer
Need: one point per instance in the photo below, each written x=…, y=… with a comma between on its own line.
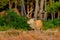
x=35, y=24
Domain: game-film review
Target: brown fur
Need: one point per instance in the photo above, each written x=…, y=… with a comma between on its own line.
x=35, y=24
x=38, y=24
x=2, y=13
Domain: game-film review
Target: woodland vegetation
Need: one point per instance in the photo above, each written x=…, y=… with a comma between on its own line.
x=15, y=13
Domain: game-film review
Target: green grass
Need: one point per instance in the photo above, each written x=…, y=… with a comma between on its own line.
x=51, y=24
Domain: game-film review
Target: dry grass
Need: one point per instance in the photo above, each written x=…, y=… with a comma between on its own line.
x=29, y=35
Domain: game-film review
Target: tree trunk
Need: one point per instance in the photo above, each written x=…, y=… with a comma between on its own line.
x=10, y=5
x=31, y=9
x=15, y=9
x=28, y=11
x=58, y=15
x=50, y=2
x=36, y=10
x=52, y=16
x=23, y=12
x=16, y=4
x=41, y=8
x=45, y=13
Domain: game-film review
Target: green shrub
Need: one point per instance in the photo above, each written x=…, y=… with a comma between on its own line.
x=56, y=22
x=48, y=24
x=53, y=8
x=2, y=21
x=51, y=24
x=15, y=21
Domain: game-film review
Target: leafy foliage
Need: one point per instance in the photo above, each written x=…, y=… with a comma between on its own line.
x=3, y=3
x=48, y=24
x=53, y=8
x=15, y=21
x=56, y=22
x=2, y=21
x=51, y=24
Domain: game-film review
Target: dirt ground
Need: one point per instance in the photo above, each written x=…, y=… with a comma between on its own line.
x=30, y=35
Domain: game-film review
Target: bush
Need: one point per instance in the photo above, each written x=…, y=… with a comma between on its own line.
x=51, y=24
x=2, y=21
x=56, y=22
x=48, y=24
x=15, y=21
x=53, y=8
